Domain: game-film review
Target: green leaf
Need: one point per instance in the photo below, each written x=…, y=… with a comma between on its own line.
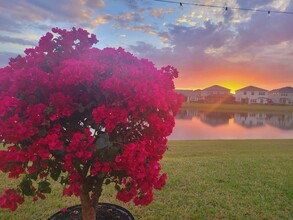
x=42, y=132
x=117, y=187
x=113, y=152
x=26, y=186
x=59, y=153
x=44, y=187
x=103, y=142
x=55, y=173
x=64, y=180
x=34, y=176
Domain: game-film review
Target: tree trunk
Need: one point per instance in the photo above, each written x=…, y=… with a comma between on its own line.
x=88, y=210
x=89, y=205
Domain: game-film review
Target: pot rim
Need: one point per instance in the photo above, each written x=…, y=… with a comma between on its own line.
x=110, y=205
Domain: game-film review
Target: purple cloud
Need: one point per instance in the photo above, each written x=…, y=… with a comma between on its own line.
x=25, y=12
x=6, y=39
x=130, y=3
x=253, y=4
x=224, y=51
x=8, y=24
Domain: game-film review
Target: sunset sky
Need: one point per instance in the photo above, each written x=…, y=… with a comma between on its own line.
x=209, y=46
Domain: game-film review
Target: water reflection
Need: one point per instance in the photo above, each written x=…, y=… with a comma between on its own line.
x=250, y=120
x=214, y=118
x=194, y=124
x=210, y=118
x=281, y=121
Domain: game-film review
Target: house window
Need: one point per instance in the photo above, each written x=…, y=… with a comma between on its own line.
x=284, y=94
x=252, y=100
x=252, y=93
x=261, y=93
x=244, y=93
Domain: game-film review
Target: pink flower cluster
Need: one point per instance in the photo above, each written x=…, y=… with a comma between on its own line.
x=76, y=114
x=140, y=161
x=10, y=199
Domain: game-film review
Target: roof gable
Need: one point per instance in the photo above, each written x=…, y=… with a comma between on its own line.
x=186, y=92
x=251, y=88
x=283, y=90
x=216, y=88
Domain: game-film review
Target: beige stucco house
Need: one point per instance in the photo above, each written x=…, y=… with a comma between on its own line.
x=191, y=95
x=215, y=90
x=217, y=94
x=252, y=95
x=282, y=96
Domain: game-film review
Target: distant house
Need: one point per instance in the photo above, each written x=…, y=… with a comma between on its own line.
x=217, y=94
x=215, y=90
x=191, y=95
x=198, y=95
x=252, y=95
x=282, y=96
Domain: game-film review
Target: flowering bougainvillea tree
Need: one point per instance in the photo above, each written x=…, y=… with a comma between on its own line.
x=85, y=117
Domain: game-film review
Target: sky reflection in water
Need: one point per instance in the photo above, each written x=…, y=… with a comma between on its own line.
x=198, y=125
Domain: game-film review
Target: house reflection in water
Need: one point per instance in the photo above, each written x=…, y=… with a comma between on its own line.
x=215, y=118
x=250, y=120
x=210, y=118
x=281, y=121
x=186, y=114
x=247, y=120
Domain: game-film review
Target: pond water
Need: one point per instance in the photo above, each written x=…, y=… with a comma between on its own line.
x=192, y=124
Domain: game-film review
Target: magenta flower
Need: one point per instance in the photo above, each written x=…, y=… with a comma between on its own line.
x=84, y=117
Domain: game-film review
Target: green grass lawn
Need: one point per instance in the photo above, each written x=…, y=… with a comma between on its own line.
x=240, y=108
x=221, y=179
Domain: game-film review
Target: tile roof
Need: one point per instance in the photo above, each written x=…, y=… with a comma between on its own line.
x=216, y=88
x=251, y=88
x=283, y=90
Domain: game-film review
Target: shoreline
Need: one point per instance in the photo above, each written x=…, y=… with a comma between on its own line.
x=218, y=107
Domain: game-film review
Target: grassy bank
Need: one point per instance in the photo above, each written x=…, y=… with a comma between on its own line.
x=226, y=179
x=240, y=108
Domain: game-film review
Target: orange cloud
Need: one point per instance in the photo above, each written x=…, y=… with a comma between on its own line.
x=93, y=3
x=145, y=28
x=160, y=11
x=99, y=20
x=127, y=16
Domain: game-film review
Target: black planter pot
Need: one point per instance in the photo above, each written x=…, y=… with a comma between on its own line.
x=106, y=211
